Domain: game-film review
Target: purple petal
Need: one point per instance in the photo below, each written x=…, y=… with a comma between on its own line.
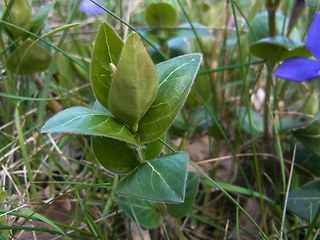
x=313, y=37
x=298, y=69
x=90, y=8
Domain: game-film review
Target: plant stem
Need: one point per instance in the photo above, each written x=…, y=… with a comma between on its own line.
x=266, y=103
x=271, y=6
x=287, y=193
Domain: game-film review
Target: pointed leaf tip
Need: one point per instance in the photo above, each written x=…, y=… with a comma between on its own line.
x=176, y=77
x=161, y=179
x=87, y=121
x=134, y=83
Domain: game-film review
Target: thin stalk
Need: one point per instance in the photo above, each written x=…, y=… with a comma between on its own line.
x=287, y=193
x=248, y=105
x=25, y=154
x=266, y=103
x=283, y=174
x=111, y=198
x=232, y=200
x=271, y=6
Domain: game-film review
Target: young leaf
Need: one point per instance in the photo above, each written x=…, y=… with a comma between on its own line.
x=83, y=120
x=309, y=135
x=19, y=15
x=161, y=179
x=29, y=58
x=146, y=212
x=176, y=77
x=180, y=210
x=161, y=15
x=106, y=50
x=114, y=155
x=305, y=201
x=134, y=84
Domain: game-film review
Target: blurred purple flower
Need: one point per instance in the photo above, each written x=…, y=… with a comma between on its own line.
x=301, y=69
x=89, y=8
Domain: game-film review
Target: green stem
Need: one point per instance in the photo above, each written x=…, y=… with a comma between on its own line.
x=271, y=6
x=266, y=103
x=25, y=154
x=287, y=194
x=248, y=105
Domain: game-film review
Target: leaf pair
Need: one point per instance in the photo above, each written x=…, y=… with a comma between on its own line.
x=134, y=84
x=131, y=89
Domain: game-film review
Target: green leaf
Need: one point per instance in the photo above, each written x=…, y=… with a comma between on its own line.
x=308, y=160
x=256, y=120
x=309, y=135
x=114, y=155
x=176, y=77
x=29, y=58
x=153, y=149
x=106, y=50
x=161, y=179
x=19, y=15
x=161, y=15
x=144, y=211
x=134, y=84
x=278, y=48
x=83, y=120
x=182, y=209
x=39, y=17
x=259, y=28
x=305, y=201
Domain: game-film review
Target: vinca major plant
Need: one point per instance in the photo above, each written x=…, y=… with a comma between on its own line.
x=137, y=102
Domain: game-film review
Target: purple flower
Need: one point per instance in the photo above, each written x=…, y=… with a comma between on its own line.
x=301, y=69
x=89, y=8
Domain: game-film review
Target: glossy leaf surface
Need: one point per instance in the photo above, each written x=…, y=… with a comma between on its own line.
x=310, y=134
x=161, y=179
x=29, y=58
x=182, y=209
x=114, y=155
x=106, y=50
x=305, y=201
x=161, y=15
x=146, y=212
x=134, y=84
x=176, y=77
x=83, y=120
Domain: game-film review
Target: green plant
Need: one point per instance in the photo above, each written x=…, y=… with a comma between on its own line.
x=136, y=103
